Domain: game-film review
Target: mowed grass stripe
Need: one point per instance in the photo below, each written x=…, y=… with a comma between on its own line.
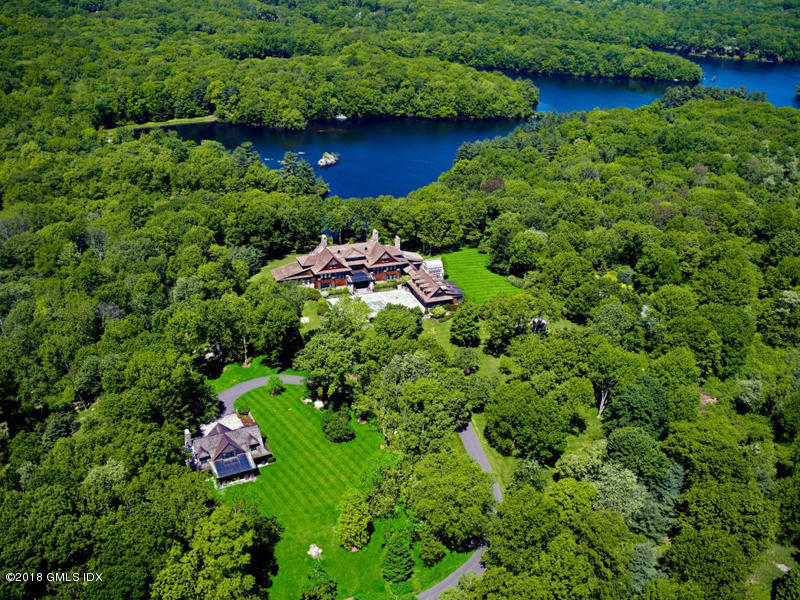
x=298, y=455
x=287, y=429
x=467, y=268
x=303, y=488
x=313, y=451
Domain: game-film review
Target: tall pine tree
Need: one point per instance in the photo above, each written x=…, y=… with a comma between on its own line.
x=397, y=561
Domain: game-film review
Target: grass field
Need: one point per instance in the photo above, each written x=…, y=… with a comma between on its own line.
x=310, y=311
x=235, y=373
x=185, y=121
x=592, y=432
x=303, y=488
x=502, y=466
x=467, y=269
x=759, y=585
x=275, y=262
x=488, y=364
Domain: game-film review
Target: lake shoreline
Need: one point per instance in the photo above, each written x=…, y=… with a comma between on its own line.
x=397, y=155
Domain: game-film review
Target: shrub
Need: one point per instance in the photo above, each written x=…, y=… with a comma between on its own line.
x=243, y=409
x=385, y=285
x=321, y=587
x=625, y=275
x=583, y=463
x=466, y=359
x=322, y=307
x=529, y=472
x=275, y=385
x=507, y=365
x=518, y=282
x=325, y=590
x=338, y=291
x=336, y=426
x=397, y=561
x=309, y=293
x=431, y=550
x=437, y=312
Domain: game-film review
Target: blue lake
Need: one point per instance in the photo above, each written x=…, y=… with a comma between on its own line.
x=398, y=156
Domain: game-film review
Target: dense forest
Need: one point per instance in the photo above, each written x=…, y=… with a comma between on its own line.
x=647, y=380
x=661, y=245
x=101, y=63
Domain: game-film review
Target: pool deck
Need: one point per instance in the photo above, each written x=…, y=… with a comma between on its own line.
x=377, y=301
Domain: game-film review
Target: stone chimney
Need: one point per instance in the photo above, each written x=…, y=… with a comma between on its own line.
x=187, y=438
x=397, y=242
x=374, y=237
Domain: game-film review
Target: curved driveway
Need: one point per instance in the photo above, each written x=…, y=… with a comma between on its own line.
x=473, y=564
x=468, y=437
x=229, y=396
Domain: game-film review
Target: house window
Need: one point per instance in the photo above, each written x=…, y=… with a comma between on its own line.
x=253, y=447
x=391, y=276
x=229, y=454
x=203, y=460
x=324, y=285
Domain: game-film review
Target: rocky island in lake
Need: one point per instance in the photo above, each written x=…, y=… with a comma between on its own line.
x=328, y=159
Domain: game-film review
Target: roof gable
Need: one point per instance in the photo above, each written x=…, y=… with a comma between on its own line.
x=218, y=429
x=226, y=444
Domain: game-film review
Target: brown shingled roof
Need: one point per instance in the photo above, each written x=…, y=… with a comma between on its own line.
x=290, y=271
x=223, y=444
x=430, y=288
x=346, y=255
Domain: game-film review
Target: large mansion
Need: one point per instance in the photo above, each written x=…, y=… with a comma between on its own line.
x=360, y=265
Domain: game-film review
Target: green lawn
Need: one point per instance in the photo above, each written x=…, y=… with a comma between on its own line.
x=310, y=311
x=303, y=489
x=488, y=364
x=759, y=585
x=275, y=262
x=236, y=373
x=592, y=432
x=467, y=269
x=502, y=466
x=184, y=121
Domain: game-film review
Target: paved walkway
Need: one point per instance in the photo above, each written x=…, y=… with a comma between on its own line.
x=473, y=564
x=229, y=396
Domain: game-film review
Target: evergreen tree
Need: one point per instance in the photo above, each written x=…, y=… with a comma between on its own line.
x=788, y=586
x=397, y=561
